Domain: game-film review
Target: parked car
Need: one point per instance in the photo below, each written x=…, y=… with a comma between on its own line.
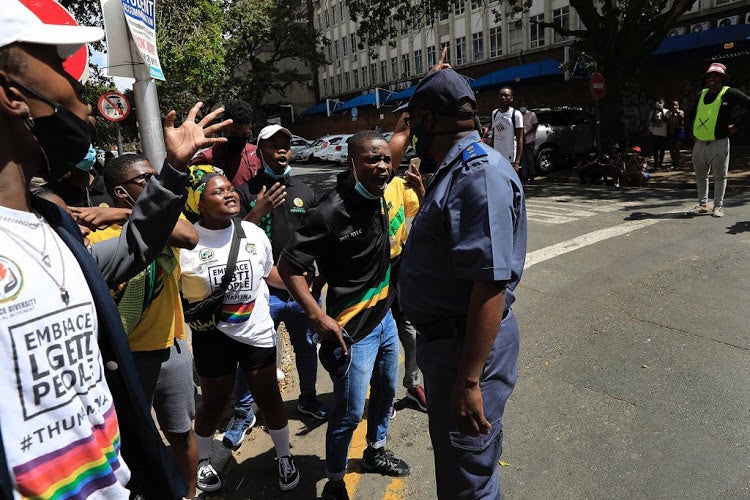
x=331, y=151
x=322, y=145
x=301, y=149
x=563, y=135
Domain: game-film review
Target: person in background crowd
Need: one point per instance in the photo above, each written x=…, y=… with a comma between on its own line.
x=507, y=135
x=236, y=157
x=530, y=124
x=242, y=333
x=715, y=116
x=151, y=312
x=675, y=132
x=346, y=235
x=279, y=223
x=114, y=451
x=462, y=261
x=657, y=127
x=636, y=169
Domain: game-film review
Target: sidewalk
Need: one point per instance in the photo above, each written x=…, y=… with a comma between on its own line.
x=738, y=178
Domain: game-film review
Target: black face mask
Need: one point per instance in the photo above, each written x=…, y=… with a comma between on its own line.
x=63, y=136
x=236, y=144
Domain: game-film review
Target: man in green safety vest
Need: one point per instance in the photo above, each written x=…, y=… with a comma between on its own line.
x=715, y=115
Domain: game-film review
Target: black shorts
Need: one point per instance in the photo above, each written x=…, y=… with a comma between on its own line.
x=217, y=355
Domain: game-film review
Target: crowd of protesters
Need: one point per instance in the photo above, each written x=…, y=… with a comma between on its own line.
x=222, y=238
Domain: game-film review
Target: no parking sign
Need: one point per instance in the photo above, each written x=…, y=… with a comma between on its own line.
x=114, y=106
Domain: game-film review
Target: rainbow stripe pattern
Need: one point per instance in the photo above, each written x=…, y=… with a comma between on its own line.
x=236, y=313
x=77, y=470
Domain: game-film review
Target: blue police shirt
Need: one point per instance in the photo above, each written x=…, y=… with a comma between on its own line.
x=471, y=226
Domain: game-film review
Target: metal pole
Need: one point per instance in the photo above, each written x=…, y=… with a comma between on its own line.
x=148, y=113
x=119, y=138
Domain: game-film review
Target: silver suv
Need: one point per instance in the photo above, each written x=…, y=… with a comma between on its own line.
x=563, y=135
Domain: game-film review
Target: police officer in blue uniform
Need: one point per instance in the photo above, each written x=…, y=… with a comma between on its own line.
x=462, y=261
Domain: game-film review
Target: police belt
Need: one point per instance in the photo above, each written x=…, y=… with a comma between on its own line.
x=446, y=328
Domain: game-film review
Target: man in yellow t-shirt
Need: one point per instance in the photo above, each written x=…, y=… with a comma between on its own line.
x=151, y=312
x=403, y=202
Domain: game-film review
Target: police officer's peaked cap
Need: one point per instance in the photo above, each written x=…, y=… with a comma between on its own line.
x=441, y=91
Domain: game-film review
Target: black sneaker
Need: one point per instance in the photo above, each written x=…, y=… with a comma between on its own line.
x=382, y=461
x=208, y=478
x=312, y=407
x=288, y=473
x=335, y=490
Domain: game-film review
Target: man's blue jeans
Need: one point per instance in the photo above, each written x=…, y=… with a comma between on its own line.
x=466, y=467
x=374, y=363
x=284, y=308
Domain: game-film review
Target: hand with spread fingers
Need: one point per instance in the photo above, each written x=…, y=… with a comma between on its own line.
x=184, y=141
x=267, y=201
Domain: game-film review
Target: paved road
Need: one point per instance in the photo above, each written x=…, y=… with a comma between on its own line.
x=634, y=379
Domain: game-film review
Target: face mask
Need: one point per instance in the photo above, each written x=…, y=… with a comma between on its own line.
x=63, y=136
x=421, y=140
x=359, y=188
x=88, y=161
x=269, y=171
x=236, y=143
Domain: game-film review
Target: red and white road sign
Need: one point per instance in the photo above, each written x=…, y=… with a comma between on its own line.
x=113, y=106
x=51, y=12
x=597, y=85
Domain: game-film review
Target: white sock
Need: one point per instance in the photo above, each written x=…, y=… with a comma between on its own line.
x=280, y=438
x=205, y=443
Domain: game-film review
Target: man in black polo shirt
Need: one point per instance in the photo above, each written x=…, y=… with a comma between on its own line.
x=347, y=235
x=263, y=202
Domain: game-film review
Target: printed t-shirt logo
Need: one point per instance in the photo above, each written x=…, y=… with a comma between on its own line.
x=298, y=202
x=250, y=248
x=206, y=254
x=11, y=279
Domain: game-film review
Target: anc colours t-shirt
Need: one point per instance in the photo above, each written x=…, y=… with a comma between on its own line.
x=245, y=315
x=60, y=431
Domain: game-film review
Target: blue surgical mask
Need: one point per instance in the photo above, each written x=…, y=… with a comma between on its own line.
x=358, y=187
x=88, y=160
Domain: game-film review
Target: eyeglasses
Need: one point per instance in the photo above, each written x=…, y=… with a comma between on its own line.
x=145, y=177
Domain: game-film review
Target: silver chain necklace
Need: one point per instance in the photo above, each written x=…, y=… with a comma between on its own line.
x=32, y=225
x=45, y=262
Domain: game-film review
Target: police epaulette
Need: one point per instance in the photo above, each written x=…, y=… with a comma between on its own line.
x=472, y=152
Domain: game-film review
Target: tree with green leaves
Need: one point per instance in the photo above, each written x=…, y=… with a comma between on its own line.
x=618, y=34
x=270, y=46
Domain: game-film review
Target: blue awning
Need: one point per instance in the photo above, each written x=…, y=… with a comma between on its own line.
x=547, y=67
x=700, y=39
x=402, y=95
x=315, y=110
x=363, y=100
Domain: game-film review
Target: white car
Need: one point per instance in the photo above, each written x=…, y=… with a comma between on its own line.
x=301, y=150
x=338, y=152
x=327, y=149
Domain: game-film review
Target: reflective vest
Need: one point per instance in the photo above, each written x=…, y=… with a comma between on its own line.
x=704, y=124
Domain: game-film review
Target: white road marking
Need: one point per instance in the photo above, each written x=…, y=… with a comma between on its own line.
x=557, y=249
x=564, y=209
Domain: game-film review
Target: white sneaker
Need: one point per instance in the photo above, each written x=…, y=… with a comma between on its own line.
x=718, y=212
x=698, y=210
x=208, y=478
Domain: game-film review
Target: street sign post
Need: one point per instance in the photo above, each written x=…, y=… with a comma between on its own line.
x=598, y=86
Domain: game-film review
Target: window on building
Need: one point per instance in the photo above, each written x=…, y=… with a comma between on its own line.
x=492, y=1
x=429, y=18
x=336, y=49
x=353, y=42
x=448, y=53
x=394, y=68
x=325, y=87
x=443, y=15
x=405, y=65
x=320, y=21
x=342, y=11
x=431, y=57
x=330, y=84
x=458, y=7
x=340, y=83
x=347, y=82
x=364, y=77
x=328, y=51
x=383, y=71
x=328, y=19
x=460, y=50
x=496, y=42
x=561, y=17
x=373, y=73
x=355, y=78
x=403, y=26
x=418, y=62
x=476, y=4
x=345, y=46
x=477, y=46
x=515, y=36
x=333, y=15
x=536, y=31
